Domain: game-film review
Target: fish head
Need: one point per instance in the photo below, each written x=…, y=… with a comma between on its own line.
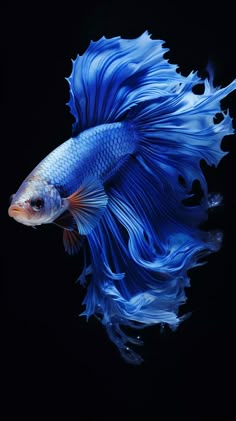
x=36, y=202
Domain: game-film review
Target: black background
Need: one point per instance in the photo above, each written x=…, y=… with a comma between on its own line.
x=55, y=363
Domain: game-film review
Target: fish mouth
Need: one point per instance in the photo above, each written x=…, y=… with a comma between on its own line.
x=17, y=212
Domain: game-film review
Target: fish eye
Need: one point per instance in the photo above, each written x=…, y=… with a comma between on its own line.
x=37, y=203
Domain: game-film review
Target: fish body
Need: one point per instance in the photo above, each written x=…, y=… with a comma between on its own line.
x=120, y=186
x=94, y=152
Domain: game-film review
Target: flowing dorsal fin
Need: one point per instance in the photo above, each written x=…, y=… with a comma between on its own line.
x=113, y=75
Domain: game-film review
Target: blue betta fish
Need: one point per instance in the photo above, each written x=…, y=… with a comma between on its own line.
x=119, y=187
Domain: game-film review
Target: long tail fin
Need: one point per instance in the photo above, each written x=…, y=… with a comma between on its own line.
x=149, y=236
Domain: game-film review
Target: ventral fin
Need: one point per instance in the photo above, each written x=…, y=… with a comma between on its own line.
x=66, y=221
x=72, y=241
x=87, y=204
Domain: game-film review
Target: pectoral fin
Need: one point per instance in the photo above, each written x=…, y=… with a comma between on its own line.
x=87, y=204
